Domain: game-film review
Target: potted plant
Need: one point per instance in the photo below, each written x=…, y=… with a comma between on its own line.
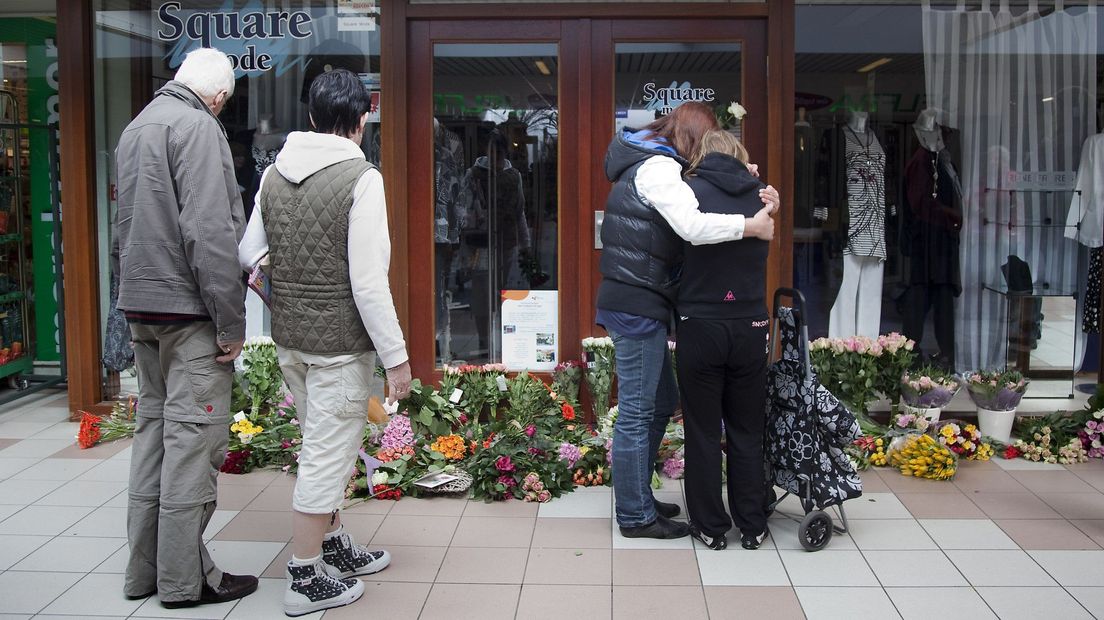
x=997, y=394
x=926, y=391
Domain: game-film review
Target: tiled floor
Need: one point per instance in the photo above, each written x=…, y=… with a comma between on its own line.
x=1005, y=539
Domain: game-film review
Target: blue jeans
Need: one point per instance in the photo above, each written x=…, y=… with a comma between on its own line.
x=646, y=399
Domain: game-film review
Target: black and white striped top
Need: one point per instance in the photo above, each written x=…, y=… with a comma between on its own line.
x=865, y=194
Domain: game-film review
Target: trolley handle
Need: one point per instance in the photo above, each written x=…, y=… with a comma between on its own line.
x=799, y=317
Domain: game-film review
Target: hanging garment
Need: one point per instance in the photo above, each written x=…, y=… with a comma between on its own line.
x=1085, y=221
x=807, y=427
x=1090, y=323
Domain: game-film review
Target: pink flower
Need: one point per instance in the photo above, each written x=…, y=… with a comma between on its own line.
x=463, y=418
x=543, y=496
x=508, y=481
x=504, y=464
x=530, y=430
x=295, y=421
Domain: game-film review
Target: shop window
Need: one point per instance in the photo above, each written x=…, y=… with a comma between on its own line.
x=936, y=158
x=277, y=48
x=496, y=207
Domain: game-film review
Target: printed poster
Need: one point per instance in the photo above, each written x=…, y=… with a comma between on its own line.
x=530, y=330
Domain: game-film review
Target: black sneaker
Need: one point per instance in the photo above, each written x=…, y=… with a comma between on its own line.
x=311, y=589
x=717, y=543
x=662, y=528
x=667, y=510
x=349, y=559
x=752, y=541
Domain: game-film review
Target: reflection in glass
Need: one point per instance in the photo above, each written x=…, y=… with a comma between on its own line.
x=495, y=202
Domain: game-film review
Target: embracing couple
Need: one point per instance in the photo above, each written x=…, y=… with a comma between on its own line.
x=685, y=240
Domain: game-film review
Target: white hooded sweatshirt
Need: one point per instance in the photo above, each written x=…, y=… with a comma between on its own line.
x=304, y=154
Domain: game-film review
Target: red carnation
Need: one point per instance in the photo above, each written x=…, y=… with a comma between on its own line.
x=1012, y=452
x=89, y=433
x=568, y=412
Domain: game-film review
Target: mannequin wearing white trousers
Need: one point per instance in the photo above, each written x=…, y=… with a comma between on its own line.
x=858, y=307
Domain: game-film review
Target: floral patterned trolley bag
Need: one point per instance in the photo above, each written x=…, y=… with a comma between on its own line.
x=806, y=432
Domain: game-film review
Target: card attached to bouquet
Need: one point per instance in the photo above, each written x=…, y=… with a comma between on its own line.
x=432, y=481
x=261, y=285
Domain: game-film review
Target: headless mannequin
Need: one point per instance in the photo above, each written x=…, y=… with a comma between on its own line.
x=858, y=306
x=268, y=139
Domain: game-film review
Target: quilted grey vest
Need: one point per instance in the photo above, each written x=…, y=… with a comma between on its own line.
x=307, y=226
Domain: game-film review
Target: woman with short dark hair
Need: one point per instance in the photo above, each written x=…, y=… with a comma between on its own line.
x=321, y=221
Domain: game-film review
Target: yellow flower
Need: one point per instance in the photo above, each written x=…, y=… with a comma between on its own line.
x=947, y=431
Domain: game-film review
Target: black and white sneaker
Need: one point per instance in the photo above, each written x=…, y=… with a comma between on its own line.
x=753, y=541
x=717, y=543
x=348, y=559
x=311, y=588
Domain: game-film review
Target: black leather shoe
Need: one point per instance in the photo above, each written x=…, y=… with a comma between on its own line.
x=138, y=597
x=231, y=588
x=662, y=528
x=667, y=510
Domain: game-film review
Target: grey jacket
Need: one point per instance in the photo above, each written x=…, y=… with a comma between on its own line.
x=180, y=215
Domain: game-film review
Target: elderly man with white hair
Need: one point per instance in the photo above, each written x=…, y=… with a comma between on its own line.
x=178, y=224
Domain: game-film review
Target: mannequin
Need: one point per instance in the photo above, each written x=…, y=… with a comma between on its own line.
x=932, y=224
x=1085, y=223
x=448, y=153
x=268, y=139
x=858, y=306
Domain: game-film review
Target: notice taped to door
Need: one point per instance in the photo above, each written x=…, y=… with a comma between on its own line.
x=530, y=330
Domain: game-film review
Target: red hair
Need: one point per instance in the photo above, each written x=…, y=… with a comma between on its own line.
x=684, y=127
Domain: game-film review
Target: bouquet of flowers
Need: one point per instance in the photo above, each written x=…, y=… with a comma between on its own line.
x=567, y=378
x=909, y=423
x=601, y=366
x=1052, y=439
x=119, y=425
x=858, y=368
x=867, y=451
x=263, y=379
x=928, y=388
x=1092, y=435
x=996, y=390
x=922, y=456
x=964, y=440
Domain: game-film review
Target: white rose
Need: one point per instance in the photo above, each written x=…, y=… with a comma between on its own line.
x=245, y=438
x=379, y=478
x=737, y=110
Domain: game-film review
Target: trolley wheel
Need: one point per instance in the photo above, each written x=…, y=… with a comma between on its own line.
x=770, y=500
x=815, y=530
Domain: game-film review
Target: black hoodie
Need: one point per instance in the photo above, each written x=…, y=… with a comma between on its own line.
x=725, y=280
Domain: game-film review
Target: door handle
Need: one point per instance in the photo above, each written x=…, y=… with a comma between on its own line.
x=598, y=217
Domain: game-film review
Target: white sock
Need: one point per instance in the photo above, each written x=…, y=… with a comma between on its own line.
x=334, y=534
x=309, y=562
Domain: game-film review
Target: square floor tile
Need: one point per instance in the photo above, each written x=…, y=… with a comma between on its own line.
x=946, y=603
x=895, y=534
x=1052, y=482
x=656, y=567
x=940, y=506
x=11, y=467
x=60, y=430
x=1026, y=465
x=999, y=568
x=402, y=601
x=237, y=497
x=56, y=469
x=736, y=566
x=834, y=604
x=508, y=508
x=1013, y=506
x=472, y=601
x=434, y=506
x=555, y=602
x=152, y=609
x=30, y=593
x=278, y=567
x=491, y=531
x=43, y=520
x=369, y=507
x=876, y=506
x=416, y=531
x=576, y=533
x=1033, y=603
x=267, y=602
x=362, y=527
x=273, y=498
x=106, y=471
x=637, y=602
x=872, y=483
x=102, y=522
x=1073, y=568
x=1046, y=534
x=218, y=521
x=761, y=603
x=415, y=564
x=83, y=493
x=70, y=554
x=827, y=568
x=986, y=481
x=23, y=492
x=15, y=548
x=914, y=569
x=1091, y=599
x=97, y=452
x=95, y=595
x=1076, y=505
x=24, y=430
x=898, y=483
x=243, y=558
x=1094, y=477
x=40, y=448
x=116, y=562
x=582, y=505
x=257, y=525
x=1093, y=528
x=256, y=478
x=483, y=565
x=967, y=534
x=784, y=535
x=569, y=567
x=7, y=510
